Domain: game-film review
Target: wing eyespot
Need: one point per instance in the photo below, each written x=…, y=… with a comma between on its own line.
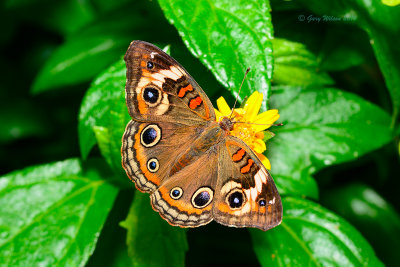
x=202, y=197
x=151, y=95
x=176, y=193
x=150, y=135
x=153, y=165
x=235, y=199
x=150, y=65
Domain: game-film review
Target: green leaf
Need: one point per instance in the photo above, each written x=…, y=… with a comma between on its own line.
x=301, y=185
x=310, y=235
x=56, y=209
x=148, y=234
x=295, y=65
x=321, y=127
x=388, y=57
x=110, y=146
x=106, y=5
x=79, y=60
x=228, y=38
x=93, y=48
x=103, y=117
x=104, y=106
x=381, y=24
x=128, y=19
x=344, y=47
x=376, y=219
x=111, y=249
x=64, y=16
x=118, y=258
x=391, y=2
x=103, y=138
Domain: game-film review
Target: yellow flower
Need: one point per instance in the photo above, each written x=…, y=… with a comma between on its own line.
x=253, y=132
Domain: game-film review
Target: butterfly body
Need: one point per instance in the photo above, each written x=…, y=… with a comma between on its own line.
x=174, y=149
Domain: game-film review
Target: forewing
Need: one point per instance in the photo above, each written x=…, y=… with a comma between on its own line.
x=159, y=88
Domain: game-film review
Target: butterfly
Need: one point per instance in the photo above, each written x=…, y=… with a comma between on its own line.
x=174, y=149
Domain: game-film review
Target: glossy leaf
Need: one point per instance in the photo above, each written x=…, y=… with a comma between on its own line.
x=321, y=127
x=228, y=38
x=310, y=235
x=56, y=209
x=79, y=60
x=381, y=24
x=107, y=146
x=151, y=240
x=295, y=65
x=302, y=185
x=104, y=106
x=93, y=48
x=376, y=219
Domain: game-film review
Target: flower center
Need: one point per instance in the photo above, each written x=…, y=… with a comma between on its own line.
x=246, y=132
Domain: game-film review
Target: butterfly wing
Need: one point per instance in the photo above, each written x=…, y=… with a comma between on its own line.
x=185, y=198
x=246, y=193
x=226, y=182
x=163, y=97
x=150, y=149
x=174, y=149
x=177, y=164
x=159, y=89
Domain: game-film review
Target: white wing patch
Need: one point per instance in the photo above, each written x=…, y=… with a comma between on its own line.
x=260, y=178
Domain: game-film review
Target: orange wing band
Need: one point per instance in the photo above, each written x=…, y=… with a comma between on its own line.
x=195, y=102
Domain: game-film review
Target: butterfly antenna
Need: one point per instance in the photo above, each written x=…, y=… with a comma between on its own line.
x=237, y=96
x=273, y=124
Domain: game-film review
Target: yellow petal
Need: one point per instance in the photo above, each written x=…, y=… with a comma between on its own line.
x=265, y=161
x=223, y=106
x=259, y=146
x=266, y=118
x=218, y=114
x=266, y=115
x=240, y=111
x=253, y=105
x=272, y=119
